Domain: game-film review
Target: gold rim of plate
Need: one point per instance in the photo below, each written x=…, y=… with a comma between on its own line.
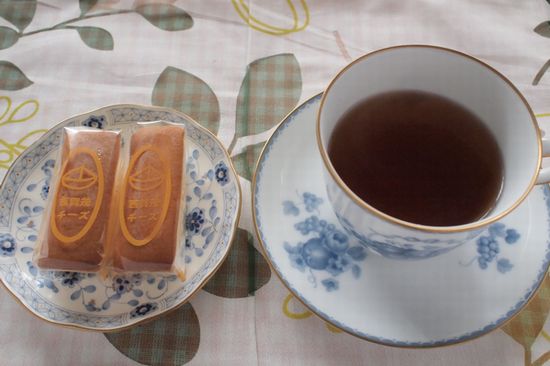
x=201, y=284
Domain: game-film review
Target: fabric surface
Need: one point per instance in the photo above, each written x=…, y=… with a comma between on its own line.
x=238, y=67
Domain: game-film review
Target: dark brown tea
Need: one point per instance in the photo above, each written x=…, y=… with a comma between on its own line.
x=418, y=157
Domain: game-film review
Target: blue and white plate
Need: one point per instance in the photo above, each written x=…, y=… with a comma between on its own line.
x=213, y=201
x=410, y=303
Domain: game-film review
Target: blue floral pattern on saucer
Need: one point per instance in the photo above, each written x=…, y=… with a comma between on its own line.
x=488, y=247
x=470, y=290
x=88, y=300
x=326, y=250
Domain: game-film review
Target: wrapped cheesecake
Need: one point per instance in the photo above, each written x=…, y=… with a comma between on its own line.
x=73, y=232
x=147, y=231
x=117, y=202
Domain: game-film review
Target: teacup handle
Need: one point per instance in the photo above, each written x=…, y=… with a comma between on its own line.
x=544, y=174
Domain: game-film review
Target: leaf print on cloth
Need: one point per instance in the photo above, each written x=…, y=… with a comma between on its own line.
x=20, y=13
x=24, y=112
x=8, y=37
x=162, y=16
x=86, y=6
x=541, y=72
x=244, y=271
x=189, y=94
x=253, y=22
x=95, y=37
x=273, y=86
x=245, y=162
x=11, y=77
x=542, y=29
x=293, y=309
x=179, y=344
x=526, y=326
x=165, y=16
x=270, y=89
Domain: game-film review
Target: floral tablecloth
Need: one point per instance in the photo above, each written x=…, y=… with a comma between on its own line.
x=238, y=66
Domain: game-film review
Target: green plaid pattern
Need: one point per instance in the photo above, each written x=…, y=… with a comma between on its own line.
x=11, y=77
x=172, y=339
x=94, y=37
x=18, y=12
x=185, y=92
x=8, y=37
x=245, y=162
x=166, y=17
x=269, y=91
x=527, y=325
x=243, y=272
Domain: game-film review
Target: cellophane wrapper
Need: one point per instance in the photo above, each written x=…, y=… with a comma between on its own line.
x=73, y=232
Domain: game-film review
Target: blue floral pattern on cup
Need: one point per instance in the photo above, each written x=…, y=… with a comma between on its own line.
x=326, y=251
x=403, y=247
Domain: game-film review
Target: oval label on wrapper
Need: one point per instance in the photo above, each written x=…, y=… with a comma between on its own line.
x=145, y=196
x=78, y=199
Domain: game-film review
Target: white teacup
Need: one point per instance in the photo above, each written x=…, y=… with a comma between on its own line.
x=463, y=79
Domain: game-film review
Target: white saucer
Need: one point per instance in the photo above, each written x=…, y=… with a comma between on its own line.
x=438, y=301
x=213, y=201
